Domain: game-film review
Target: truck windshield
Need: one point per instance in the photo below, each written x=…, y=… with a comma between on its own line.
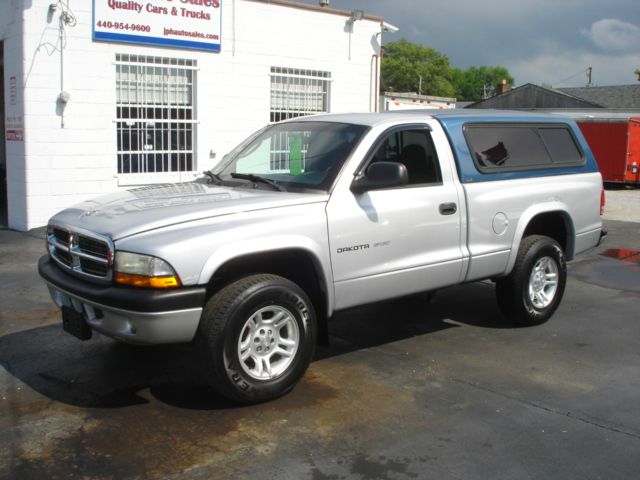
x=295, y=155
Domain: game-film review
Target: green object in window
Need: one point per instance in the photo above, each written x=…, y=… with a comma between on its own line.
x=295, y=154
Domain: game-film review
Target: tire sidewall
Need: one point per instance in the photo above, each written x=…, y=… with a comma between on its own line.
x=249, y=389
x=545, y=247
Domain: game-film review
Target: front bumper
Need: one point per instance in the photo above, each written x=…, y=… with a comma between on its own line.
x=129, y=314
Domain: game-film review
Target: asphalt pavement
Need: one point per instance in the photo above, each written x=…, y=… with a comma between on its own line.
x=441, y=388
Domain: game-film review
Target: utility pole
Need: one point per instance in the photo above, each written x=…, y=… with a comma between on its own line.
x=420, y=85
x=589, y=70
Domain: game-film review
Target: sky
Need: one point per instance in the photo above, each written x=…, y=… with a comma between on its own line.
x=550, y=42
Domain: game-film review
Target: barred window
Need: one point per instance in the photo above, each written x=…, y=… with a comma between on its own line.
x=155, y=115
x=296, y=92
x=281, y=147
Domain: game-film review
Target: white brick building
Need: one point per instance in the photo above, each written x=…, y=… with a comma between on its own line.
x=85, y=116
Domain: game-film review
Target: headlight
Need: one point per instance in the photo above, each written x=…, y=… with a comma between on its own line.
x=144, y=271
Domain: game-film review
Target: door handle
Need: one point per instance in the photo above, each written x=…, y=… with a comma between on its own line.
x=448, y=208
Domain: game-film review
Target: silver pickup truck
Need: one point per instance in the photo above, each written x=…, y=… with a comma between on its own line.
x=322, y=213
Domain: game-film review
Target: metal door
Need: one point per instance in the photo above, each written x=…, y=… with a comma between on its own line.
x=392, y=242
x=633, y=152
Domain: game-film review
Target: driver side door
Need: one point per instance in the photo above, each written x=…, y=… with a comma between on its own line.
x=396, y=241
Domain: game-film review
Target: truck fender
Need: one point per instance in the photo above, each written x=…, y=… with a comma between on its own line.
x=525, y=219
x=231, y=251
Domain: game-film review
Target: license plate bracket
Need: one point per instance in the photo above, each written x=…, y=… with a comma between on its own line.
x=74, y=323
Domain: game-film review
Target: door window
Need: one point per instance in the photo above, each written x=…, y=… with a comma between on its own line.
x=414, y=149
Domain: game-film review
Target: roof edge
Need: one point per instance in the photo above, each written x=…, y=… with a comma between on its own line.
x=539, y=87
x=317, y=8
x=596, y=87
x=414, y=95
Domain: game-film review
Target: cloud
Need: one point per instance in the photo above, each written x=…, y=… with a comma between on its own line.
x=568, y=69
x=537, y=40
x=613, y=35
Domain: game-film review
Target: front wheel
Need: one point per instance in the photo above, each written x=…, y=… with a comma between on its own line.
x=256, y=338
x=534, y=289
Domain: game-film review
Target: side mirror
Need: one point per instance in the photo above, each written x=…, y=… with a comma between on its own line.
x=381, y=175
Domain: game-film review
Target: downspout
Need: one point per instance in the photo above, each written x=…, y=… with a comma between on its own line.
x=376, y=81
x=384, y=27
x=61, y=97
x=233, y=28
x=375, y=69
x=378, y=67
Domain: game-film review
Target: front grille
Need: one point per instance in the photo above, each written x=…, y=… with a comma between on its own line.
x=82, y=253
x=64, y=257
x=94, y=247
x=94, y=268
x=61, y=235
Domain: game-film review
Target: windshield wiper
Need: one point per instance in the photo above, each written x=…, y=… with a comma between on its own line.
x=213, y=177
x=257, y=178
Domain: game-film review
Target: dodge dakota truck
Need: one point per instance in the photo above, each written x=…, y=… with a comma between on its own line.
x=319, y=214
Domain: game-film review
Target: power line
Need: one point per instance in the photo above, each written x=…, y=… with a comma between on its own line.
x=572, y=76
x=584, y=71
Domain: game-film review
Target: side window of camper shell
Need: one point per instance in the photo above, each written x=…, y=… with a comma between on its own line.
x=519, y=146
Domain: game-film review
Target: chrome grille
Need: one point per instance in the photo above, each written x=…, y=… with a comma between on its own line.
x=64, y=257
x=61, y=235
x=82, y=253
x=92, y=267
x=94, y=247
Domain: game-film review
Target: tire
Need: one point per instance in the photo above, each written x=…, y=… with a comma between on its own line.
x=533, y=290
x=256, y=338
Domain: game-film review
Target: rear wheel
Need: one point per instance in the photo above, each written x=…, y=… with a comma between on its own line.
x=534, y=289
x=256, y=338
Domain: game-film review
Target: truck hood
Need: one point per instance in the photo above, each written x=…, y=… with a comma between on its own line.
x=141, y=209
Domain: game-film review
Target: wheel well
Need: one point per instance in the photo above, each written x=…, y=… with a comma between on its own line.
x=293, y=264
x=556, y=225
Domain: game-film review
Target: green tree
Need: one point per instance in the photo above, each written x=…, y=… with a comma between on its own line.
x=404, y=64
x=409, y=67
x=472, y=83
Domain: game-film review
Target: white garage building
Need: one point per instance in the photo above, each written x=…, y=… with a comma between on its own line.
x=100, y=95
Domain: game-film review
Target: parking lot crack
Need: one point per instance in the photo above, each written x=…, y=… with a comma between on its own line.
x=538, y=406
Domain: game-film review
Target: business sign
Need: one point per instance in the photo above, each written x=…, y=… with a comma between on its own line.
x=15, y=136
x=13, y=90
x=13, y=122
x=14, y=128
x=192, y=24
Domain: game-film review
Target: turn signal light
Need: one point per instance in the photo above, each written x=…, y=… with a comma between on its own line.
x=146, y=282
x=146, y=271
